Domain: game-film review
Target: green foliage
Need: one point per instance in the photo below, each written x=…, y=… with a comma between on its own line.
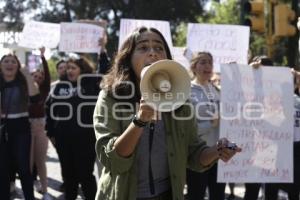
x=180, y=36
x=175, y=11
x=52, y=68
x=220, y=13
x=225, y=13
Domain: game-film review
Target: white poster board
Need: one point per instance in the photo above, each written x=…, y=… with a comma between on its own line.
x=227, y=43
x=80, y=37
x=127, y=26
x=257, y=113
x=178, y=56
x=37, y=34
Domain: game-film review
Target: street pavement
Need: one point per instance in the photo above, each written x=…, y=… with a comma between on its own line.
x=54, y=181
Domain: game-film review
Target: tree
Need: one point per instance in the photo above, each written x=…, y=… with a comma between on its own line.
x=13, y=11
x=174, y=11
x=219, y=13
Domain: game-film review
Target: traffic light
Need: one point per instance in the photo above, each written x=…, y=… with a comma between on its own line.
x=283, y=16
x=256, y=20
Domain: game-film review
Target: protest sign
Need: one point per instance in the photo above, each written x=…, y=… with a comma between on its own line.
x=227, y=43
x=37, y=34
x=80, y=37
x=257, y=108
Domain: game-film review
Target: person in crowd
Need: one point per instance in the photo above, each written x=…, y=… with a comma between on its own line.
x=142, y=159
x=18, y=90
x=206, y=99
x=39, y=140
x=292, y=189
x=61, y=66
x=216, y=80
x=252, y=189
x=69, y=125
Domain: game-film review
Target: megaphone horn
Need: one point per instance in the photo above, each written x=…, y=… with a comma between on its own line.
x=161, y=82
x=165, y=85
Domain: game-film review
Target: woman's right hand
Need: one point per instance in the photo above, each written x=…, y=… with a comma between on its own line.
x=42, y=50
x=145, y=112
x=255, y=64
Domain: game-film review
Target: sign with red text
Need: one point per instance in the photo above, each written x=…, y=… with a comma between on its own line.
x=38, y=34
x=257, y=113
x=127, y=26
x=227, y=43
x=80, y=37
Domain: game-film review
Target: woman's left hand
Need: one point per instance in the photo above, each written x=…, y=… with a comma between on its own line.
x=227, y=149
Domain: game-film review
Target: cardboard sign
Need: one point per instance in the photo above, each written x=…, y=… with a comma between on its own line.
x=79, y=37
x=37, y=34
x=257, y=113
x=227, y=43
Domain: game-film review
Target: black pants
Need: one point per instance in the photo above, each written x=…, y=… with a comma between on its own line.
x=16, y=152
x=293, y=189
x=77, y=156
x=197, y=183
x=252, y=190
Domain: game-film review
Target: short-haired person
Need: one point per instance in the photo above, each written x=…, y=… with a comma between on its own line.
x=144, y=160
x=61, y=69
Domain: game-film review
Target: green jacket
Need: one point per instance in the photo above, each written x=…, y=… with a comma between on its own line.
x=118, y=180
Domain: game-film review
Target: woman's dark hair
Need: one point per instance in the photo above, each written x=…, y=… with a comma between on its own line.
x=83, y=64
x=59, y=62
x=19, y=76
x=122, y=70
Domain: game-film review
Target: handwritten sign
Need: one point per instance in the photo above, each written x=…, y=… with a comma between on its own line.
x=257, y=113
x=80, y=37
x=37, y=34
x=127, y=26
x=227, y=43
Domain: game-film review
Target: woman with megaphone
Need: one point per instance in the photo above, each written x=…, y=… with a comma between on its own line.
x=142, y=159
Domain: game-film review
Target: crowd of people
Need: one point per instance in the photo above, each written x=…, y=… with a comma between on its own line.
x=93, y=114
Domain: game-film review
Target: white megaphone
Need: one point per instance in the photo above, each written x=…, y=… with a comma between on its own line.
x=165, y=85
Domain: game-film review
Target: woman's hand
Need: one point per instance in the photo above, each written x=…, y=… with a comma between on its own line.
x=226, y=149
x=255, y=64
x=42, y=51
x=296, y=74
x=146, y=112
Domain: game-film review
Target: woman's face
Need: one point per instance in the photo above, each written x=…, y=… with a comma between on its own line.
x=204, y=67
x=149, y=49
x=216, y=79
x=73, y=71
x=9, y=67
x=38, y=77
x=61, y=69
